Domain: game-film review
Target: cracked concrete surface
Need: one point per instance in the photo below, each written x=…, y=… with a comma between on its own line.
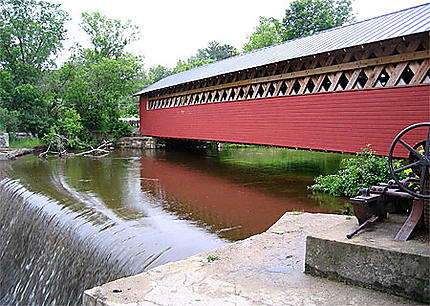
x=265, y=269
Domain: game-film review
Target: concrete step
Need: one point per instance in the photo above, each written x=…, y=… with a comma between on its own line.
x=372, y=259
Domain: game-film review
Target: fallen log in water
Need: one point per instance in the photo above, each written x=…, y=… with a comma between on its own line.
x=56, y=147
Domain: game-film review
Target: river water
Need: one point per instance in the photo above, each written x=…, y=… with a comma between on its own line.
x=67, y=225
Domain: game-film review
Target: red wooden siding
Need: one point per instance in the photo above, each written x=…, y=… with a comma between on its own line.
x=339, y=121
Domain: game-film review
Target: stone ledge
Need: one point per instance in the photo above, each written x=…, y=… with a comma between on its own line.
x=372, y=259
x=4, y=140
x=11, y=153
x=265, y=269
x=137, y=142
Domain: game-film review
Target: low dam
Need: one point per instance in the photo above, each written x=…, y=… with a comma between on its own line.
x=70, y=225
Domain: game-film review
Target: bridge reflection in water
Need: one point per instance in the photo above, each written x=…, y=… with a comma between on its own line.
x=236, y=198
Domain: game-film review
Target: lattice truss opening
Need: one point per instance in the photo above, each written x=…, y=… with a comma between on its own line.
x=398, y=62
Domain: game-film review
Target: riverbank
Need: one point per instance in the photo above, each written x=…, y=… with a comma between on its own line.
x=13, y=153
x=265, y=269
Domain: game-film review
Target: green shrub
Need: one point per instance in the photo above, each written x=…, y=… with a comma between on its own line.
x=119, y=129
x=69, y=128
x=361, y=171
x=212, y=258
x=8, y=120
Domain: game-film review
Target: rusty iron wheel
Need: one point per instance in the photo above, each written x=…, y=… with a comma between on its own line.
x=419, y=162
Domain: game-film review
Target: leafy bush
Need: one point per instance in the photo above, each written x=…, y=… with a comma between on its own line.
x=69, y=127
x=8, y=120
x=32, y=109
x=362, y=171
x=70, y=123
x=119, y=129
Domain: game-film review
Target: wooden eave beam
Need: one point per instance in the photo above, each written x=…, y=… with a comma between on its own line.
x=398, y=58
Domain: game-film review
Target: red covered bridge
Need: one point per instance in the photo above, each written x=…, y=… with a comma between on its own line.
x=337, y=90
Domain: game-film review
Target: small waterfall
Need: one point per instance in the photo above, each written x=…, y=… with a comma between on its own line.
x=67, y=225
x=50, y=254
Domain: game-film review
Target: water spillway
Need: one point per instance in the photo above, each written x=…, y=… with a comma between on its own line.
x=48, y=255
x=58, y=243
x=69, y=225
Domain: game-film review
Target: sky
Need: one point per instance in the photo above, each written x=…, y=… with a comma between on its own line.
x=171, y=30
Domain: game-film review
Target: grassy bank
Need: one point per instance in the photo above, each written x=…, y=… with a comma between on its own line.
x=25, y=142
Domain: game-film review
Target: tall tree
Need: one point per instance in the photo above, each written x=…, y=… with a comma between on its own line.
x=267, y=33
x=109, y=37
x=216, y=52
x=157, y=73
x=31, y=33
x=305, y=17
x=99, y=79
x=8, y=119
x=213, y=52
x=191, y=63
x=95, y=89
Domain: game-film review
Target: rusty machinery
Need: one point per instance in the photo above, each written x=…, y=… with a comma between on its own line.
x=399, y=196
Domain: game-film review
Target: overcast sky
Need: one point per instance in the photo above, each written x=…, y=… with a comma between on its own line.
x=174, y=29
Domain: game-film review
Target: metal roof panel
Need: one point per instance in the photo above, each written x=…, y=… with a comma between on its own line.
x=405, y=22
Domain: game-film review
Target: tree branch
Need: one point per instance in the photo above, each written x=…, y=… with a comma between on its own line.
x=100, y=151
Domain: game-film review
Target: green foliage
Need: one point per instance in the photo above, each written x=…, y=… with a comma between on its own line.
x=267, y=33
x=69, y=123
x=305, y=17
x=31, y=32
x=191, y=63
x=362, y=171
x=155, y=74
x=129, y=106
x=297, y=211
x=8, y=120
x=32, y=109
x=6, y=88
x=109, y=37
x=96, y=85
x=55, y=142
x=95, y=88
x=214, y=51
x=119, y=129
x=212, y=258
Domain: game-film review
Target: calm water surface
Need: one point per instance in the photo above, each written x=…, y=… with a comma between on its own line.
x=134, y=210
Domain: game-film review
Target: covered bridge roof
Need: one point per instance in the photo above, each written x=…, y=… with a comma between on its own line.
x=405, y=22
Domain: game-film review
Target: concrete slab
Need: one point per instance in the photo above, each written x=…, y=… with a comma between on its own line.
x=265, y=269
x=373, y=259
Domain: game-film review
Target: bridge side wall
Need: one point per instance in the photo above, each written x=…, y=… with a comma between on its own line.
x=337, y=121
